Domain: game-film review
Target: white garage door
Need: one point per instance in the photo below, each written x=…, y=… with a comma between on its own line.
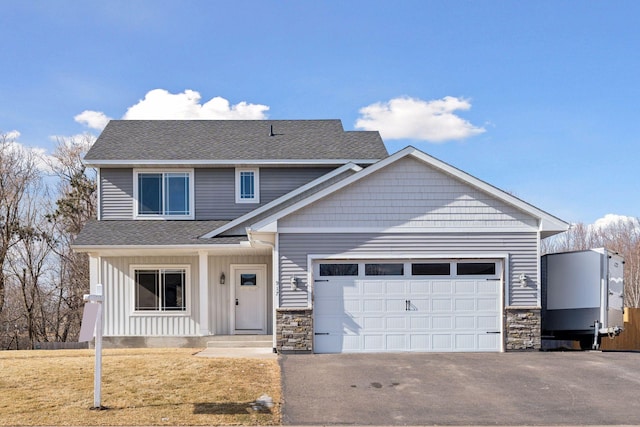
x=407, y=306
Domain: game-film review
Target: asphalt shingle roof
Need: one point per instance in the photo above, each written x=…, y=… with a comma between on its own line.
x=151, y=233
x=234, y=140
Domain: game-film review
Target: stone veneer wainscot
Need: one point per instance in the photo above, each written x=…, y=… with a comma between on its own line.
x=294, y=330
x=523, y=328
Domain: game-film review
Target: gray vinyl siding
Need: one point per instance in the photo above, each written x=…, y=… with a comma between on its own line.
x=275, y=182
x=240, y=229
x=521, y=247
x=408, y=195
x=116, y=193
x=121, y=321
x=215, y=194
x=215, y=189
x=219, y=294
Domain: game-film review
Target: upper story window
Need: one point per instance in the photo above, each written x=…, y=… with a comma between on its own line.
x=247, y=186
x=160, y=194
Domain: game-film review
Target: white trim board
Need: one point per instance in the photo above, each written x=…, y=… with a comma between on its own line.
x=404, y=230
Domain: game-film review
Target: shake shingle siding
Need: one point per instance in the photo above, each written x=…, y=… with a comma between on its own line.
x=410, y=195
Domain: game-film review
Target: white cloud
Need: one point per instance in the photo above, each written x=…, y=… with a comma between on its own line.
x=12, y=135
x=93, y=119
x=160, y=104
x=412, y=118
x=610, y=220
x=39, y=155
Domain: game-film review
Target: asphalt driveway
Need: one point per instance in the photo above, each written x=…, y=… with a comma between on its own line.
x=532, y=388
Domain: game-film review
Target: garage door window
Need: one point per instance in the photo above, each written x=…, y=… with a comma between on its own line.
x=476, y=268
x=431, y=269
x=384, y=269
x=338, y=269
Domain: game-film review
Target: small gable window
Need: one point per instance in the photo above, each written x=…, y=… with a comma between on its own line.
x=247, y=186
x=164, y=194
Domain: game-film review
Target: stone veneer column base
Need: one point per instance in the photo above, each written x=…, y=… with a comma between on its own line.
x=294, y=330
x=523, y=328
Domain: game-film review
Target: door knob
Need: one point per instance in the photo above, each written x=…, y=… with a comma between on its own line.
x=236, y=301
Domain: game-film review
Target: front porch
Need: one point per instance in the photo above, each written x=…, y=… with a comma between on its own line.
x=186, y=297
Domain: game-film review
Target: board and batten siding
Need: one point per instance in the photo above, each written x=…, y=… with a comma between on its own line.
x=118, y=305
x=121, y=321
x=116, y=193
x=215, y=189
x=410, y=194
x=521, y=247
x=219, y=295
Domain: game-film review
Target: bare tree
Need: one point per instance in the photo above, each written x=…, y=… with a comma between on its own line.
x=621, y=236
x=18, y=172
x=75, y=205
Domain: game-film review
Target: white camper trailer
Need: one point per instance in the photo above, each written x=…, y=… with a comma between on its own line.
x=582, y=296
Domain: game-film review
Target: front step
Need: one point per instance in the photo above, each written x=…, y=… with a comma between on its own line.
x=240, y=341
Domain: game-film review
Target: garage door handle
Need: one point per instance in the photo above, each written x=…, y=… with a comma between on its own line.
x=494, y=332
x=316, y=280
x=321, y=333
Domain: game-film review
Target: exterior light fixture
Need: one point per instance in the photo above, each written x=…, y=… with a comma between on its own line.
x=222, y=278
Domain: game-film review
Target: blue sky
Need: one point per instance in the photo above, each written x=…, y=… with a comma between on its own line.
x=535, y=97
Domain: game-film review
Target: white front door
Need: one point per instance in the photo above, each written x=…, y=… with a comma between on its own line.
x=249, y=298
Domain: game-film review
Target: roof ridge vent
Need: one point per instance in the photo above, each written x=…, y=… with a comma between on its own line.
x=271, y=130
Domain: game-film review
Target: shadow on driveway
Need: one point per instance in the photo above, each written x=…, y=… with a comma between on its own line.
x=530, y=388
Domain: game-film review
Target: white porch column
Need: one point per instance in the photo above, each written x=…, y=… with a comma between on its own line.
x=203, y=292
x=94, y=272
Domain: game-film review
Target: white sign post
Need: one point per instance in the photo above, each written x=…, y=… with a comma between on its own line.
x=92, y=322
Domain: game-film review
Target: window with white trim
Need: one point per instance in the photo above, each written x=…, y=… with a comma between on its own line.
x=160, y=289
x=247, y=185
x=163, y=194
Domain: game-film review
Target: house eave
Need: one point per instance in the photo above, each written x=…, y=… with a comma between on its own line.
x=153, y=250
x=225, y=162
